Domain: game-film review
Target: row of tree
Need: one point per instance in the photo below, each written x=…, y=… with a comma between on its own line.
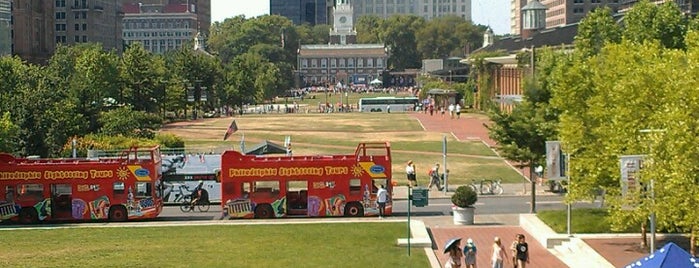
x=410, y=38
x=86, y=90
x=601, y=101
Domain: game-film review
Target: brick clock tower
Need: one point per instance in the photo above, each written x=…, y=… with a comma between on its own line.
x=343, y=31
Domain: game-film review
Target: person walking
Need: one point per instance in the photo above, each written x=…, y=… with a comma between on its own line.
x=499, y=254
x=513, y=249
x=451, y=110
x=522, y=249
x=434, y=177
x=454, y=260
x=470, y=254
x=457, y=109
x=381, y=199
x=410, y=172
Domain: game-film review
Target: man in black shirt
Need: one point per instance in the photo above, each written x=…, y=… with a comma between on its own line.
x=522, y=252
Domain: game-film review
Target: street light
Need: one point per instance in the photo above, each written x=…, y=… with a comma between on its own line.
x=652, y=195
x=196, y=96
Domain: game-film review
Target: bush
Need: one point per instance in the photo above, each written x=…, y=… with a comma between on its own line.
x=464, y=197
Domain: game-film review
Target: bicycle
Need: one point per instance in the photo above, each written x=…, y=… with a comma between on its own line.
x=493, y=187
x=202, y=204
x=490, y=187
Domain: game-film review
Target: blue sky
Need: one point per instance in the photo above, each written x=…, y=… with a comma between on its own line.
x=495, y=13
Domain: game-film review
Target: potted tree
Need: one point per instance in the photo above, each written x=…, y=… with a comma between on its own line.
x=463, y=199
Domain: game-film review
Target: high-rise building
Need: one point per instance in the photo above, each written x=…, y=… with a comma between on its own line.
x=559, y=12
x=88, y=21
x=5, y=27
x=312, y=12
x=39, y=25
x=687, y=6
x=33, y=30
x=428, y=9
x=516, y=15
x=159, y=27
x=202, y=9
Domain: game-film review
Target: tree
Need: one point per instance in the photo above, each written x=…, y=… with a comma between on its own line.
x=596, y=30
x=521, y=135
x=139, y=72
x=399, y=35
x=124, y=121
x=9, y=134
x=369, y=29
x=647, y=22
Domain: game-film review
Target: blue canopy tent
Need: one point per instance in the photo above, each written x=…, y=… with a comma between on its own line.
x=669, y=256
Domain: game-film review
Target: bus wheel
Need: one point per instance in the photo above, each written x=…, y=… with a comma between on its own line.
x=354, y=209
x=264, y=211
x=118, y=213
x=28, y=215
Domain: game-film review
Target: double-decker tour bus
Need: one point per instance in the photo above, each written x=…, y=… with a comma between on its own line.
x=311, y=186
x=72, y=189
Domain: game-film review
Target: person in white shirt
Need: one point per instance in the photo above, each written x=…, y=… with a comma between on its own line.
x=381, y=199
x=457, y=110
x=410, y=172
x=451, y=111
x=499, y=254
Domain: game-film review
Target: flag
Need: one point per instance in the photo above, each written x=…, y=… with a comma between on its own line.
x=231, y=129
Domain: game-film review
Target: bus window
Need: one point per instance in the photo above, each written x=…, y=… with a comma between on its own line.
x=31, y=192
x=143, y=189
x=119, y=187
x=266, y=189
x=9, y=194
x=355, y=187
x=246, y=189
x=376, y=183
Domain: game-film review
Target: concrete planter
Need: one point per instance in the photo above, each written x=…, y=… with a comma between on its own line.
x=463, y=216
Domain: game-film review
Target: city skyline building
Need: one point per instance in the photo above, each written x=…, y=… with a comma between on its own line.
x=312, y=12
x=160, y=27
x=427, y=9
x=39, y=26
x=202, y=9
x=5, y=27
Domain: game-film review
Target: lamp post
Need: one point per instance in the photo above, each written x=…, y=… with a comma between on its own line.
x=652, y=195
x=196, y=89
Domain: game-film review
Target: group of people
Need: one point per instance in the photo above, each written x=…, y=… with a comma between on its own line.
x=519, y=250
x=436, y=179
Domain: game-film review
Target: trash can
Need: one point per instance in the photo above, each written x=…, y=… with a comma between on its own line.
x=420, y=196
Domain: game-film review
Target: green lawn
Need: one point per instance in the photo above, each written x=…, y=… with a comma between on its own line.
x=339, y=133
x=278, y=245
x=583, y=221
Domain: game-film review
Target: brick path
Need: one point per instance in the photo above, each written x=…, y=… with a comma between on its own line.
x=483, y=236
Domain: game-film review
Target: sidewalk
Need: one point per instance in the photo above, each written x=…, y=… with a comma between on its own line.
x=509, y=189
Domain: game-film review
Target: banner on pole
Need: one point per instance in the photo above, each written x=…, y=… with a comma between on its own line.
x=555, y=161
x=631, y=166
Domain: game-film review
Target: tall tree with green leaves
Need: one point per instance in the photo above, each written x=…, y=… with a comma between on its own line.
x=400, y=36
x=596, y=30
x=648, y=22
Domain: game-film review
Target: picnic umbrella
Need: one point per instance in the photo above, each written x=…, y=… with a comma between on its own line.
x=668, y=256
x=451, y=243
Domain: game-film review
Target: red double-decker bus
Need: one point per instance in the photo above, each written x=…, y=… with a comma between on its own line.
x=306, y=186
x=117, y=188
